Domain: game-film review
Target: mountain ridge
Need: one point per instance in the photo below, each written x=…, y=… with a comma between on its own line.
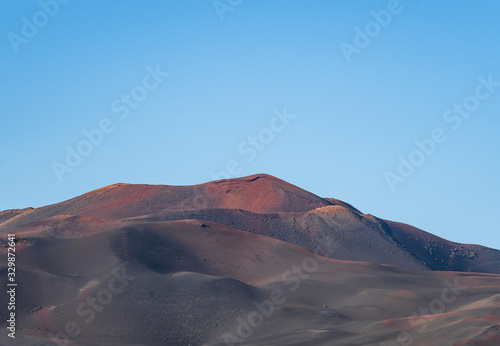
x=260, y=204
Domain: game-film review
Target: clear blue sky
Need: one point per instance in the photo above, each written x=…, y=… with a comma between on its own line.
x=64, y=70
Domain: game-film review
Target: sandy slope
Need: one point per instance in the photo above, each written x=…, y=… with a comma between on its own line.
x=192, y=282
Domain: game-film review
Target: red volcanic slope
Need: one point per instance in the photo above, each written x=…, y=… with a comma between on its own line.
x=257, y=193
x=260, y=204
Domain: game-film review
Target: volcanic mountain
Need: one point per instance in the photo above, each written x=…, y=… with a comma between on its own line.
x=250, y=261
x=260, y=204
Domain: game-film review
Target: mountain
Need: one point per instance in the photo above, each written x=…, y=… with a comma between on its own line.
x=248, y=261
x=260, y=204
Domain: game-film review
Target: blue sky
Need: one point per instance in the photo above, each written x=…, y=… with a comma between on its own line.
x=352, y=117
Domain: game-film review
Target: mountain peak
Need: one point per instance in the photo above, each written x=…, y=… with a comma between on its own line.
x=108, y=187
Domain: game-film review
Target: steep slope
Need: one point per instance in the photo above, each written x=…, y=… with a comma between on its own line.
x=440, y=254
